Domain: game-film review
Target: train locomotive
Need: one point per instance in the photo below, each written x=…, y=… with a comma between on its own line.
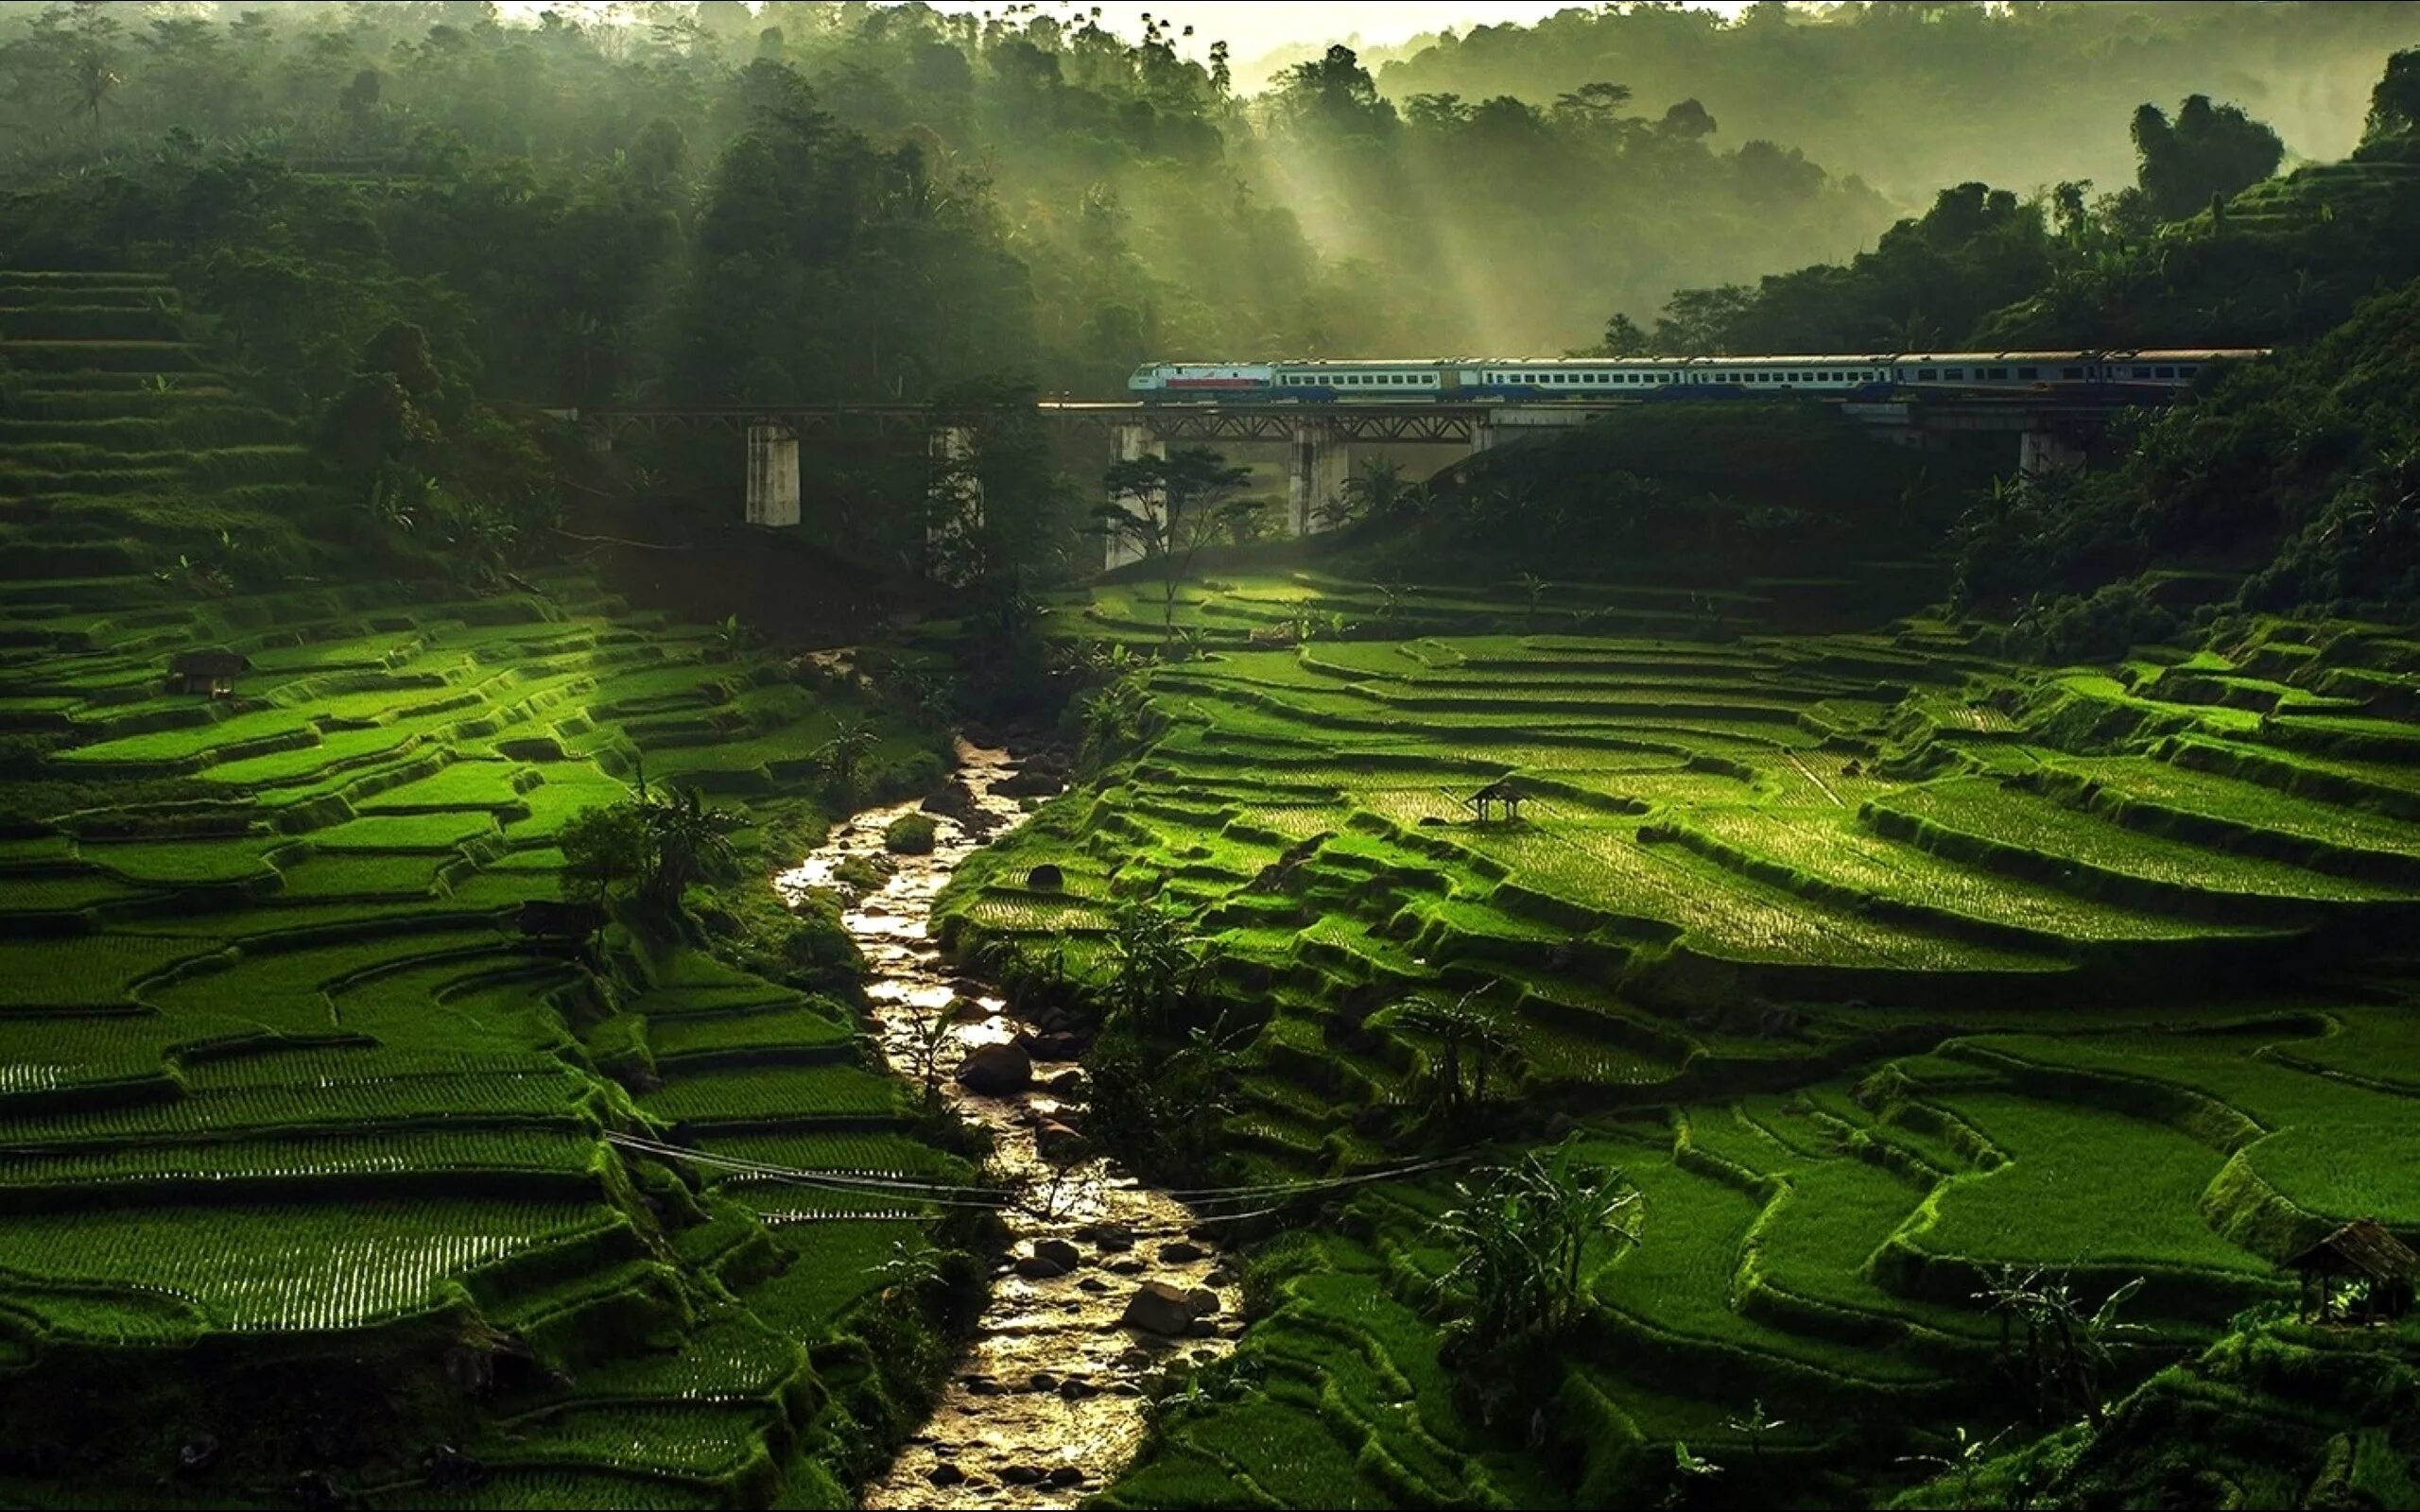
x=1615, y=379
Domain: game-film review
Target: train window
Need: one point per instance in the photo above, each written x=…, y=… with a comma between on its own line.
x=1954, y=374
x=2071, y=372
x=1927, y=375
x=2163, y=373
x=2187, y=370
x=1999, y=372
x=2142, y=372
x=2028, y=373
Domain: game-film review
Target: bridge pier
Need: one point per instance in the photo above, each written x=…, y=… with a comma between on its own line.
x=1316, y=469
x=2047, y=451
x=1132, y=443
x=954, y=502
x=1495, y=427
x=772, y=474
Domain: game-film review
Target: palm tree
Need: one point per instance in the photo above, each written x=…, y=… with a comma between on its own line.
x=1534, y=588
x=1468, y=1038
x=846, y=751
x=687, y=839
x=1524, y=1244
x=2065, y=1349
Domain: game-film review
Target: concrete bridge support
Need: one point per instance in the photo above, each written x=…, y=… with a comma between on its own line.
x=2047, y=451
x=772, y=475
x=1512, y=421
x=1316, y=472
x=1132, y=443
x=955, y=506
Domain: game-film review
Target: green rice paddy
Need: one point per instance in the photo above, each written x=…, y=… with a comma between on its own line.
x=1878, y=964
x=281, y=1085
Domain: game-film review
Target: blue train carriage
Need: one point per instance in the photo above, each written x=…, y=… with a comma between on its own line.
x=1600, y=380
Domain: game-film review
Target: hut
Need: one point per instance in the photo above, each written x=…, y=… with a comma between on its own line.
x=209, y=673
x=559, y=928
x=2378, y=1268
x=1504, y=791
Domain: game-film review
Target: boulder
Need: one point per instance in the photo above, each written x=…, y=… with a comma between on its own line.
x=1067, y=1255
x=1067, y=1086
x=995, y=1071
x=1036, y=1268
x=1056, y=1141
x=1108, y=1235
x=966, y=1010
x=1205, y=1301
x=951, y=800
x=1059, y=1045
x=1066, y=1475
x=945, y=1475
x=1030, y=782
x=1181, y=1252
x=1158, y=1308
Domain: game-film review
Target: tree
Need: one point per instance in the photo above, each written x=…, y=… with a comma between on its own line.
x=603, y=844
x=2209, y=150
x=686, y=842
x=2394, y=101
x=2064, y=1349
x=1534, y=593
x=1377, y=490
x=1470, y=1044
x=932, y=1033
x=1522, y=1241
x=844, y=754
x=1165, y=509
x=1154, y=964
x=1623, y=338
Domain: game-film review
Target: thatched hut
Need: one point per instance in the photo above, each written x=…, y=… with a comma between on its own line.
x=2378, y=1268
x=210, y=673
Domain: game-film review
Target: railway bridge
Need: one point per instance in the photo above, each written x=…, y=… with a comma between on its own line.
x=2051, y=429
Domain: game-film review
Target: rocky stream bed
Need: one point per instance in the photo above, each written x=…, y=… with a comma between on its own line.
x=1106, y=1280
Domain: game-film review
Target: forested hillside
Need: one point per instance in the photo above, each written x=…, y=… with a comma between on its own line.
x=1912, y=96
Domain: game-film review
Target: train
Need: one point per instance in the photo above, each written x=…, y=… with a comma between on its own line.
x=1603, y=379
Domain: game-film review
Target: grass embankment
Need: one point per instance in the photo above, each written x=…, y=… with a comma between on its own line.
x=302, y=1150
x=1878, y=964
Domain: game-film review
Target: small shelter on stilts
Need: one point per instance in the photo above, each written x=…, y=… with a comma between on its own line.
x=1503, y=792
x=2377, y=1267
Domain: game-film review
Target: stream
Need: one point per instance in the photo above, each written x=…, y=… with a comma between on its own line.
x=1045, y=1406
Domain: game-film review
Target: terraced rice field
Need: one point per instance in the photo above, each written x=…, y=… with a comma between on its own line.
x=1876, y=963
x=281, y=1085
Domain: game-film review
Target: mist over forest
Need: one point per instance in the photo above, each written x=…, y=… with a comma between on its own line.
x=1063, y=203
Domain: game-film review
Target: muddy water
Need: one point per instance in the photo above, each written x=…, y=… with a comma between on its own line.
x=1047, y=1404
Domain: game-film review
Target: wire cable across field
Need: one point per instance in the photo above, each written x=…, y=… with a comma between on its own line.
x=950, y=1195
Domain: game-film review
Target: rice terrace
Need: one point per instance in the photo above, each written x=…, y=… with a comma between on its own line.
x=915, y=756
